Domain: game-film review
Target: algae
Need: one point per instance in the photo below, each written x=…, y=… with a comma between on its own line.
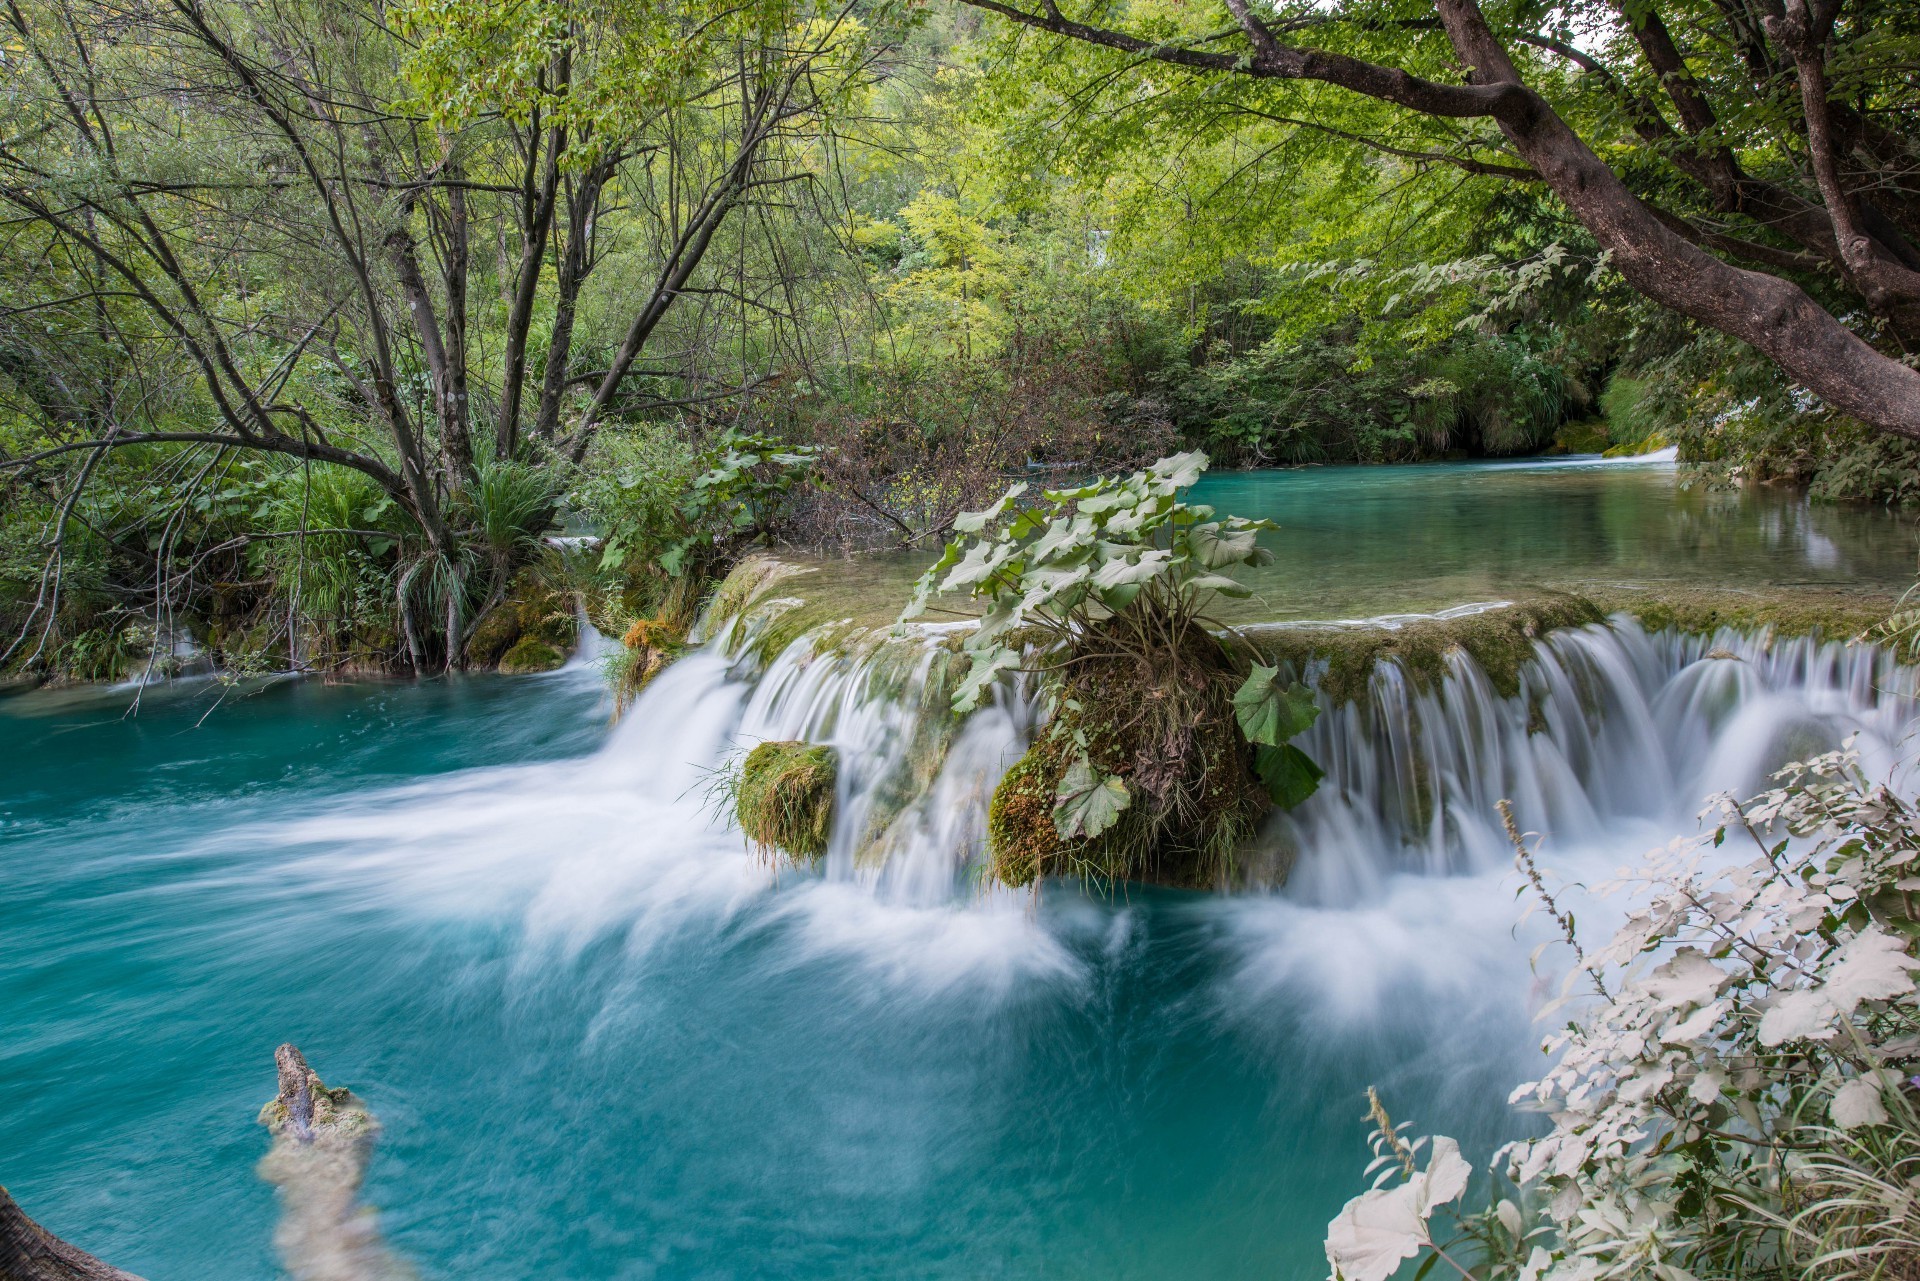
x=783, y=798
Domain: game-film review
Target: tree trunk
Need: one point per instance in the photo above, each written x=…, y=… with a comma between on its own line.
x=28, y=1252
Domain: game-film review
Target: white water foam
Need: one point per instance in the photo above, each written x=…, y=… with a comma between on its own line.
x=1402, y=890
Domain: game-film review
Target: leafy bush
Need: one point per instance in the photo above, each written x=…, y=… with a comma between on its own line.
x=1162, y=748
x=1739, y=1099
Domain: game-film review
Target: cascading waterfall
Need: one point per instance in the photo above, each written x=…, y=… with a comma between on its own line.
x=1614, y=729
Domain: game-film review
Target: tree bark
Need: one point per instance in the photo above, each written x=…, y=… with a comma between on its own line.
x=28, y=1252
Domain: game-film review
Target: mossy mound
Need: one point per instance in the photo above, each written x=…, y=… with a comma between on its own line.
x=1165, y=727
x=1832, y=613
x=531, y=654
x=1021, y=840
x=783, y=798
x=533, y=610
x=1500, y=640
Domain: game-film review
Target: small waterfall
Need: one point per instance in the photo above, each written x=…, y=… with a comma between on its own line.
x=1614, y=728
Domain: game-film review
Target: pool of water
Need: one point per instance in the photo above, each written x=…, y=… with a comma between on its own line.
x=606, y=1041
x=1356, y=542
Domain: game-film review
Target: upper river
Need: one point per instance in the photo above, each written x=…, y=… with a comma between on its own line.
x=605, y=1041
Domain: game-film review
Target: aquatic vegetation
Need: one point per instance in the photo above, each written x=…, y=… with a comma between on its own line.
x=783, y=798
x=1735, y=1099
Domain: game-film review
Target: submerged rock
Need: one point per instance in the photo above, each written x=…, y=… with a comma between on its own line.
x=783, y=798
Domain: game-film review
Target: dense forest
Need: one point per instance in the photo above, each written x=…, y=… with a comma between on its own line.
x=319, y=321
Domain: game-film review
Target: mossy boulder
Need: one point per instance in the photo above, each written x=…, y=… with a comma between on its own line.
x=532, y=610
x=531, y=654
x=783, y=798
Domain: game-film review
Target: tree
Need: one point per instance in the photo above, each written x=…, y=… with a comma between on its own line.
x=270, y=222
x=1774, y=197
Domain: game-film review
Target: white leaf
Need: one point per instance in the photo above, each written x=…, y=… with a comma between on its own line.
x=1858, y=1103
x=1871, y=966
x=1377, y=1231
x=1688, y=979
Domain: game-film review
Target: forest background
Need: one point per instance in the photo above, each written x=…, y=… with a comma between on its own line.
x=317, y=319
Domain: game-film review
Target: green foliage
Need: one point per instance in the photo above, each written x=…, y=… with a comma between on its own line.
x=783, y=798
x=1150, y=751
x=740, y=498
x=508, y=505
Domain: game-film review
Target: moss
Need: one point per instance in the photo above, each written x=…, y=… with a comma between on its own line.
x=1585, y=436
x=493, y=635
x=783, y=798
x=533, y=609
x=1501, y=641
x=1021, y=840
x=531, y=654
x=1162, y=723
x=1832, y=613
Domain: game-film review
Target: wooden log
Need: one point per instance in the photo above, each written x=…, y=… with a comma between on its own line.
x=322, y=1140
x=28, y=1252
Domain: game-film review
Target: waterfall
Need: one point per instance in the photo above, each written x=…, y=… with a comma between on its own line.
x=1613, y=728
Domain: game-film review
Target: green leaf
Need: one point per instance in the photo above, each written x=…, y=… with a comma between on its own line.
x=1219, y=583
x=980, y=677
x=1270, y=713
x=1086, y=803
x=1290, y=774
x=974, y=522
x=1180, y=470
x=1217, y=547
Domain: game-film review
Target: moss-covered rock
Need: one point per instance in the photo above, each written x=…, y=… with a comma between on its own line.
x=531, y=654
x=534, y=609
x=1833, y=613
x=1021, y=841
x=783, y=798
x=1163, y=724
x=1500, y=640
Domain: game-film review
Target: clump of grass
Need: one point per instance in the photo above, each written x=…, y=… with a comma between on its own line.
x=783, y=798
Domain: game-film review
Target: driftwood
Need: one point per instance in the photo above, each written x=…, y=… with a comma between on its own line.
x=321, y=1141
x=28, y=1252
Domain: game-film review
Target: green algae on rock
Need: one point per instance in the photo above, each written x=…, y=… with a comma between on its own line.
x=783, y=798
x=530, y=655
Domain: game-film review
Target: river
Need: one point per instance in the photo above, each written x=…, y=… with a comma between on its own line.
x=605, y=1041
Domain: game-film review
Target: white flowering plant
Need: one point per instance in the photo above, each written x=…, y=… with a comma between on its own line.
x=1736, y=1097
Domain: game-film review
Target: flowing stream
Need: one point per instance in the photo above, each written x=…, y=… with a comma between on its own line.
x=605, y=1040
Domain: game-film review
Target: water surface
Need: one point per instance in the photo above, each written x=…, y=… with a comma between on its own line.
x=607, y=1041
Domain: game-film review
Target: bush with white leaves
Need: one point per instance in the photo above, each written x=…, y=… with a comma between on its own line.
x=1736, y=1096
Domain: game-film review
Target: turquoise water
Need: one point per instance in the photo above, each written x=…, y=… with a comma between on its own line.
x=1356, y=542
x=690, y=1085
x=604, y=1041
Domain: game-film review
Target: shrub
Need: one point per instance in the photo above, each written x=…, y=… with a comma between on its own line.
x=1163, y=745
x=1739, y=1099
